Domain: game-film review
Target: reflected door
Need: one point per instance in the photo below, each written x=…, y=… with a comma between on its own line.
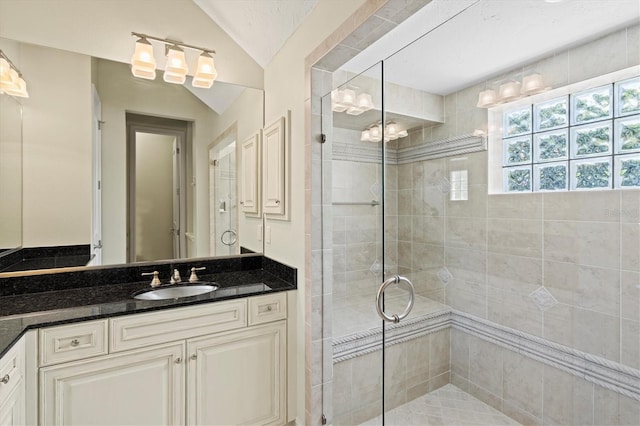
x=223, y=200
x=156, y=223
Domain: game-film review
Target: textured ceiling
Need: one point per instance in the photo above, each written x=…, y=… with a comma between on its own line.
x=260, y=27
x=485, y=38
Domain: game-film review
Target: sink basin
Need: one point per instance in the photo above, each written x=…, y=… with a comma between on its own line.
x=175, y=292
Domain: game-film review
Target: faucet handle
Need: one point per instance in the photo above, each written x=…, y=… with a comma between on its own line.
x=194, y=276
x=155, y=282
x=175, y=277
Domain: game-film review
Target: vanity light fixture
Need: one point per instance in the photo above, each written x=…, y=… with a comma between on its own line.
x=143, y=64
x=345, y=100
x=11, y=81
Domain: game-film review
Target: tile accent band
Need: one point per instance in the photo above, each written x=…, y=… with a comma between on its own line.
x=603, y=372
x=448, y=147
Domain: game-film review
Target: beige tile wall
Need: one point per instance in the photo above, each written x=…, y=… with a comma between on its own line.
x=413, y=369
x=583, y=247
x=531, y=392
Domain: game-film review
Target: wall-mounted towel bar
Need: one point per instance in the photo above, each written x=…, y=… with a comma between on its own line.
x=357, y=203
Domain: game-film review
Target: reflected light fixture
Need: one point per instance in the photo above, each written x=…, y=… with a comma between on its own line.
x=11, y=81
x=532, y=84
x=391, y=132
x=345, y=100
x=143, y=63
x=511, y=90
x=487, y=98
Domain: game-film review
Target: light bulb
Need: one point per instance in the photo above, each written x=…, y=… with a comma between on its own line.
x=509, y=91
x=364, y=102
x=143, y=64
x=205, y=71
x=365, y=136
x=176, y=69
x=532, y=84
x=487, y=99
x=376, y=134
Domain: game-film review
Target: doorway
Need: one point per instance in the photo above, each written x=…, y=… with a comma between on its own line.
x=157, y=149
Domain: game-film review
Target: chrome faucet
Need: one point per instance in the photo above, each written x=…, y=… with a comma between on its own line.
x=155, y=282
x=194, y=276
x=175, y=277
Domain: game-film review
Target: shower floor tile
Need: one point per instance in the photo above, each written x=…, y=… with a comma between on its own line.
x=449, y=406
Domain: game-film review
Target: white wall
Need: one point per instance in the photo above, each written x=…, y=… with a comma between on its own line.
x=10, y=173
x=57, y=147
x=121, y=93
x=102, y=28
x=286, y=89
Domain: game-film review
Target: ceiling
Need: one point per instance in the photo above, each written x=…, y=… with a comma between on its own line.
x=260, y=27
x=485, y=38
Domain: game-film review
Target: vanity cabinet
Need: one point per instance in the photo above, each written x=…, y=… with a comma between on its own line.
x=220, y=363
x=143, y=387
x=12, y=386
x=274, y=163
x=238, y=378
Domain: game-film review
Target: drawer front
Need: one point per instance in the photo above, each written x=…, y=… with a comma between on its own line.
x=136, y=331
x=11, y=370
x=271, y=307
x=72, y=342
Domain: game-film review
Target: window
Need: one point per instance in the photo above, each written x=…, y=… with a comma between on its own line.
x=573, y=138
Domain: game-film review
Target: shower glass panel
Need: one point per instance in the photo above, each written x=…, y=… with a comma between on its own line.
x=353, y=199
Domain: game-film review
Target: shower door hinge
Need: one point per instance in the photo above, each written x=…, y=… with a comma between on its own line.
x=324, y=419
x=323, y=138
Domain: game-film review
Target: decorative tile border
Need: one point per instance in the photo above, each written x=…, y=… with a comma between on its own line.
x=603, y=372
x=368, y=341
x=448, y=147
x=370, y=153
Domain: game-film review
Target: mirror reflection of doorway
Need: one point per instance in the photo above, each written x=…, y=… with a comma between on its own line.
x=157, y=176
x=223, y=199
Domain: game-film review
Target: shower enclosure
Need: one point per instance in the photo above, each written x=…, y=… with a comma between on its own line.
x=501, y=306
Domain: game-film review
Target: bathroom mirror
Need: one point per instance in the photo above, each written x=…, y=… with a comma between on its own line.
x=59, y=165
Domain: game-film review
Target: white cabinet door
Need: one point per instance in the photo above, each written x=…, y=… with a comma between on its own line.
x=274, y=150
x=144, y=387
x=250, y=184
x=238, y=378
x=12, y=409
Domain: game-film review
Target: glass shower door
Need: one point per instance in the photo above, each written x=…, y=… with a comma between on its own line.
x=361, y=272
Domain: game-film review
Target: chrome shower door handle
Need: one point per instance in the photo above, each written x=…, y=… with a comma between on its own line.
x=232, y=239
x=394, y=318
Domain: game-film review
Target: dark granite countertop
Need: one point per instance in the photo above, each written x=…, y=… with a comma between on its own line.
x=20, y=312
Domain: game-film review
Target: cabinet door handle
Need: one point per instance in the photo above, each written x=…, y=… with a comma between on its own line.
x=269, y=308
x=277, y=201
x=178, y=360
x=5, y=379
x=75, y=342
x=194, y=357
